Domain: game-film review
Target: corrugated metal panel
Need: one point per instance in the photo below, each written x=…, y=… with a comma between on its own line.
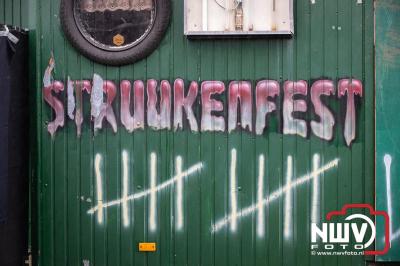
x=333, y=40
x=387, y=121
x=14, y=12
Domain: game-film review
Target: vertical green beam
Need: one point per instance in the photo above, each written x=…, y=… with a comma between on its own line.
x=207, y=174
x=329, y=187
x=387, y=122
x=60, y=158
x=113, y=174
x=329, y=151
x=100, y=149
x=2, y=11
x=16, y=13
x=344, y=70
x=8, y=12
x=221, y=170
x=289, y=73
x=179, y=239
x=234, y=68
x=166, y=199
x=75, y=198
x=261, y=68
x=275, y=154
x=126, y=145
x=34, y=107
x=154, y=146
x=318, y=29
x=168, y=158
x=369, y=99
x=193, y=199
x=181, y=145
x=139, y=175
x=46, y=203
x=26, y=13
x=357, y=72
x=87, y=177
x=303, y=155
x=357, y=52
x=247, y=176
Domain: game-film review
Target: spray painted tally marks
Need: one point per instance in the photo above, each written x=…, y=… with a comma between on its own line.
x=151, y=192
x=262, y=201
x=387, y=160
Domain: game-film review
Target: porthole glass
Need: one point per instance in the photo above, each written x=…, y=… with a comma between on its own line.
x=114, y=25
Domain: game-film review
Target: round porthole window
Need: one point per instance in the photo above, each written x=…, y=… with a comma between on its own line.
x=115, y=32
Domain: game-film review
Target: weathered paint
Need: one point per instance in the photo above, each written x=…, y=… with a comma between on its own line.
x=387, y=122
x=333, y=41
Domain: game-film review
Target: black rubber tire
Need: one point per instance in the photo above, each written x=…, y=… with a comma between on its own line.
x=116, y=58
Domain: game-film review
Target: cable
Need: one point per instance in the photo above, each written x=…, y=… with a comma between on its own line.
x=238, y=2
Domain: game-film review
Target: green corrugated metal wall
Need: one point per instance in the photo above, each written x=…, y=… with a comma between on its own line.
x=14, y=12
x=387, y=120
x=333, y=39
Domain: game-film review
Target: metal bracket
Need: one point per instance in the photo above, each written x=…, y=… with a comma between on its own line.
x=9, y=35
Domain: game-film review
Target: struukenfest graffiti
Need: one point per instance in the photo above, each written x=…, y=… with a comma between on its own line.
x=166, y=105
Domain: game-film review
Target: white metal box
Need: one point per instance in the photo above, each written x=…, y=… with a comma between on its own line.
x=238, y=17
